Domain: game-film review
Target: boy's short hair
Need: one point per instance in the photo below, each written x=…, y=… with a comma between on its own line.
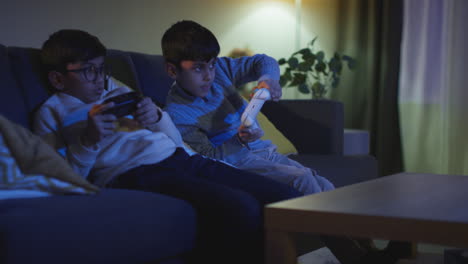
x=188, y=40
x=70, y=46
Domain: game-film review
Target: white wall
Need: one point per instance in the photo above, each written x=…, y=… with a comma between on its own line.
x=264, y=26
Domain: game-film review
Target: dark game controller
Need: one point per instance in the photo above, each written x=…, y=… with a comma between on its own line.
x=124, y=104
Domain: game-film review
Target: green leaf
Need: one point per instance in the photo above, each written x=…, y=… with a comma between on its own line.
x=346, y=58
x=337, y=56
x=332, y=64
x=309, y=57
x=299, y=78
x=335, y=65
x=320, y=55
x=304, y=51
x=287, y=74
x=320, y=66
x=293, y=63
x=351, y=62
x=312, y=42
x=283, y=81
x=304, y=66
x=303, y=88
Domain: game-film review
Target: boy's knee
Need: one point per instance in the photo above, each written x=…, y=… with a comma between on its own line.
x=325, y=184
x=306, y=184
x=316, y=184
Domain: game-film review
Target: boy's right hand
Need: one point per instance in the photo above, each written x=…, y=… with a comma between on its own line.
x=99, y=125
x=247, y=135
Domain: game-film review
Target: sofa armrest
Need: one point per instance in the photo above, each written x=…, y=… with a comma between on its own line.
x=113, y=226
x=313, y=126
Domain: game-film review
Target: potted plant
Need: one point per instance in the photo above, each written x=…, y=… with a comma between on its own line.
x=310, y=71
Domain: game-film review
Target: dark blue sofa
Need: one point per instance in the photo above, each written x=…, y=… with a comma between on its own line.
x=114, y=226
x=119, y=226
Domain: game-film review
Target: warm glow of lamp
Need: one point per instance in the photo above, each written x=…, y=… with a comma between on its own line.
x=272, y=27
x=268, y=27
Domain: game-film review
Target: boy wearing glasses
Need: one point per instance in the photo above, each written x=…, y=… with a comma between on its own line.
x=145, y=152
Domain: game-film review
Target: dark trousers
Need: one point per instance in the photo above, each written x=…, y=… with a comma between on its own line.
x=229, y=203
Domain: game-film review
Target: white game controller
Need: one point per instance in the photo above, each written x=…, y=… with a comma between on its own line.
x=250, y=113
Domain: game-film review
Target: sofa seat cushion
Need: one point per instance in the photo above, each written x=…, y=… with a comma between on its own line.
x=341, y=170
x=113, y=226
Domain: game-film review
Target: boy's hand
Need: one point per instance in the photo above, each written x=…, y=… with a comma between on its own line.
x=248, y=134
x=99, y=125
x=147, y=112
x=274, y=87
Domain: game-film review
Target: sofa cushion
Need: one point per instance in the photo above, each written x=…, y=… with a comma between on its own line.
x=32, y=79
x=154, y=80
x=12, y=103
x=114, y=226
x=122, y=68
x=272, y=133
x=339, y=169
x=313, y=126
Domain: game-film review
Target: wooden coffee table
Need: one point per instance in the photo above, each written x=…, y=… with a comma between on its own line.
x=411, y=207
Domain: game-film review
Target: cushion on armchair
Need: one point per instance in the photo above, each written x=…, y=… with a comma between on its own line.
x=272, y=133
x=40, y=168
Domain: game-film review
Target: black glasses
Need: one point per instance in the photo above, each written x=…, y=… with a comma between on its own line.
x=91, y=73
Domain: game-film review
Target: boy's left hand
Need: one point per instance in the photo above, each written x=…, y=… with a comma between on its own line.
x=275, y=89
x=248, y=134
x=147, y=112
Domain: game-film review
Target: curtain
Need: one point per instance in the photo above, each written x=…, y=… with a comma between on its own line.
x=433, y=92
x=371, y=32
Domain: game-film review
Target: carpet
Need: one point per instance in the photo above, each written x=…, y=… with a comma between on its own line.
x=324, y=256
x=319, y=256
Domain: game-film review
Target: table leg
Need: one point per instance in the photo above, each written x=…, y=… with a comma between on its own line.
x=279, y=248
x=414, y=250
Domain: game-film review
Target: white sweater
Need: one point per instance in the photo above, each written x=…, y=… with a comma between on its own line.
x=62, y=119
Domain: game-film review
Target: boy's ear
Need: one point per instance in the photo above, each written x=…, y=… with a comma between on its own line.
x=171, y=70
x=56, y=79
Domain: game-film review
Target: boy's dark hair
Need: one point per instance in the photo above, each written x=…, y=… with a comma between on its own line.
x=188, y=40
x=70, y=46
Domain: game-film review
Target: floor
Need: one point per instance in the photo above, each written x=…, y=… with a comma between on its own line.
x=428, y=254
